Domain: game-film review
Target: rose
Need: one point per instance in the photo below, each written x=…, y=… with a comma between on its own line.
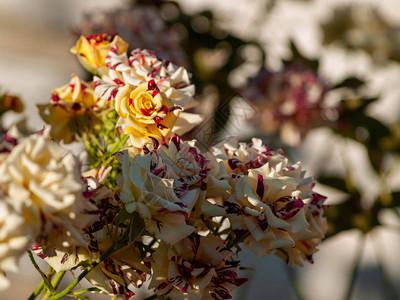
x=271, y=207
x=143, y=69
x=149, y=191
x=193, y=170
x=76, y=91
x=93, y=50
x=122, y=267
x=71, y=110
x=143, y=66
x=289, y=103
x=113, y=275
x=174, y=81
x=15, y=236
x=239, y=158
x=265, y=208
x=146, y=114
x=44, y=179
x=176, y=172
x=308, y=241
x=194, y=268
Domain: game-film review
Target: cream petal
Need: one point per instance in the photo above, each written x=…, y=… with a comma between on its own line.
x=173, y=228
x=282, y=240
x=189, y=199
x=210, y=209
x=251, y=197
x=274, y=221
x=4, y=282
x=186, y=122
x=260, y=248
x=201, y=282
x=256, y=232
x=298, y=222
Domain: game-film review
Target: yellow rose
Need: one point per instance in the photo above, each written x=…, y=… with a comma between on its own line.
x=92, y=50
x=70, y=111
x=76, y=91
x=146, y=114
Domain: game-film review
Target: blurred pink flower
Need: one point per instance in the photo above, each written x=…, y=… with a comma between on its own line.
x=289, y=103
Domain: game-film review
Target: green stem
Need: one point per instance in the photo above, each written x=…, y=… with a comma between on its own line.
x=37, y=291
x=44, y=277
x=116, y=147
x=46, y=293
x=91, y=289
x=57, y=279
x=233, y=241
x=69, y=288
x=116, y=245
x=356, y=266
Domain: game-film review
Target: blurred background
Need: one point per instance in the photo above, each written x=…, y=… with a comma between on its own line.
x=317, y=78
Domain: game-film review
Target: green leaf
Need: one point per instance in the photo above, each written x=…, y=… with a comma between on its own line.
x=351, y=215
x=119, y=144
x=136, y=227
x=350, y=82
x=355, y=106
x=376, y=158
x=297, y=57
x=376, y=129
x=396, y=199
x=122, y=217
x=335, y=182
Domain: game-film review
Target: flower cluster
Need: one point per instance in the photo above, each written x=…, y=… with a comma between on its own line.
x=151, y=206
x=149, y=95
x=272, y=207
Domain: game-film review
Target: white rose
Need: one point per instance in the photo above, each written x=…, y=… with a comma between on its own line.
x=15, y=237
x=194, y=268
x=272, y=207
x=146, y=189
x=45, y=180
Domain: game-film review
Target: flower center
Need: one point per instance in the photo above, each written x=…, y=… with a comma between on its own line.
x=144, y=103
